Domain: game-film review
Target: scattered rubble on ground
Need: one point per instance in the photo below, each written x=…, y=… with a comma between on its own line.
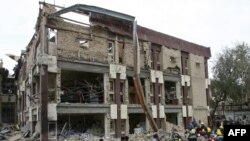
x=14, y=133
x=10, y=132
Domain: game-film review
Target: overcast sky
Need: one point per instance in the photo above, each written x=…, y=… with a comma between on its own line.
x=211, y=23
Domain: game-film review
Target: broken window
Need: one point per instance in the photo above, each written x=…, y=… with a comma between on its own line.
x=112, y=126
x=133, y=98
x=172, y=118
x=111, y=51
x=8, y=86
x=8, y=112
x=121, y=91
x=120, y=51
x=123, y=126
x=82, y=87
x=52, y=129
x=170, y=93
x=84, y=43
x=198, y=65
x=152, y=89
x=186, y=94
x=111, y=91
x=80, y=124
x=155, y=57
x=52, y=42
x=184, y=62
x=51, y=87
x=139, y=121
x=172, y=59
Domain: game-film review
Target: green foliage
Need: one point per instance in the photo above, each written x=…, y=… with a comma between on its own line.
x=231, y=74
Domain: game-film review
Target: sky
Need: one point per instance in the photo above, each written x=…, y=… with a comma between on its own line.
x=212, y=23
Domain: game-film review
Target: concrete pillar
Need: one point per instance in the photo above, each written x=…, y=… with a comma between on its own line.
x=162, y=94
x=106, y=87
x=148, y=53
x=126, y=93
x=107, y=125
x=28, y=92
x=178, y=92
x=148, y=128
x=179, y=119
x=147, y=90
x=58, y=86
x=116, y=56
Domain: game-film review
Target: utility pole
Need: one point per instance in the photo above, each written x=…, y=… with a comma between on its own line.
x=44, y=77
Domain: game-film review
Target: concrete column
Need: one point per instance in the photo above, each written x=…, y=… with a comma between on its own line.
x=58, y=86
x=147, y=90
x=179, y=119
x=106, y=87
x=148, y=128
x=126, y=94
x=162, y=94
x=178, y=92
x=149, y=54
x=107, y=124
x=116, y=53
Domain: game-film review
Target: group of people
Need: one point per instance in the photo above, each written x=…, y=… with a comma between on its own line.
x=200, y=132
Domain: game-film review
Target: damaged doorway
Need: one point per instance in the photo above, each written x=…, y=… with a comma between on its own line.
x=82, y=87
x=135, y=121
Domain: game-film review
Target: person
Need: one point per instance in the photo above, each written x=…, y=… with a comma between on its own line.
x=192, y=136
x=219, y=132
x=100, y=139
x=203, y=130
x=208, y=131
x=190, y=125
x=198, y=130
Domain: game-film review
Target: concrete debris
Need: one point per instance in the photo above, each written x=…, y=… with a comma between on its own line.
x=11, y=133
x=4, y=131
x=15, y=137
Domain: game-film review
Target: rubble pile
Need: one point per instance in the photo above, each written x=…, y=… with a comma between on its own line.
x=14, y=133
x=10, y=133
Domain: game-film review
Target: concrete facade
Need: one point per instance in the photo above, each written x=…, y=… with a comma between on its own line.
x=92, y=59
x=198, y=88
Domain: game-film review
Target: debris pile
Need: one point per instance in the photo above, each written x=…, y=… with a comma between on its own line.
x=80, y=132
x=64, y=133
x=10, y=132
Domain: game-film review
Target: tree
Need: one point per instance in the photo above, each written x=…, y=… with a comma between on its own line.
x=231, y=75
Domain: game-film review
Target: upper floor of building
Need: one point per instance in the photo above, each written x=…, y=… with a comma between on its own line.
x=108, y=40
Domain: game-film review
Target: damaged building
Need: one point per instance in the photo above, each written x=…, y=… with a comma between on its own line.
x=7, y=96
x=77, y=74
